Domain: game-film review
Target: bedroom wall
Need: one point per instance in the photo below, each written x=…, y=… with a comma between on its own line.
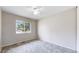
x=0, y=29
x=9, y=35
x=78, y=29
x=59, y=29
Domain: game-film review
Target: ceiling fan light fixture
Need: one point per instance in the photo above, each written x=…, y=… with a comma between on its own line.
x=36, y=10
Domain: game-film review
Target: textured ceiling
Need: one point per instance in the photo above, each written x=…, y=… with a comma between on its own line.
x=26, y=10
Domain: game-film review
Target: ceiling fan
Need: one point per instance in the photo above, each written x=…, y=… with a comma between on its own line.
x=36, y=9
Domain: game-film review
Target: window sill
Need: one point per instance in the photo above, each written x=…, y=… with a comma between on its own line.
x=23, y=32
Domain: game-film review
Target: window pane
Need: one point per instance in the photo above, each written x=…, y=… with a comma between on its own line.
x=27, y=27
x=22, y=27
x=19, y=26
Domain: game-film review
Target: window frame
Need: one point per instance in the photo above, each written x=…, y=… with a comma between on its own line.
x=24, y=27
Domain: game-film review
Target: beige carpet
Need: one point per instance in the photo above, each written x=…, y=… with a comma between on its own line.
x=37, y=47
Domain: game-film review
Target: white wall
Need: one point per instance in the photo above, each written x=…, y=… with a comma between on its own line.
x=9, y=35
x=59, y=29
x=78, y=29
x=0, y=29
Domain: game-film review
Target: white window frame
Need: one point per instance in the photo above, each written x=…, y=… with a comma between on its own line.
x=24, y=27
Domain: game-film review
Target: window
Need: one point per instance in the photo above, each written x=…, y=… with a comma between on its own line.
x=23, y=26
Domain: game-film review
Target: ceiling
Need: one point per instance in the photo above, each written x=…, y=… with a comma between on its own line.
x=26, y=10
